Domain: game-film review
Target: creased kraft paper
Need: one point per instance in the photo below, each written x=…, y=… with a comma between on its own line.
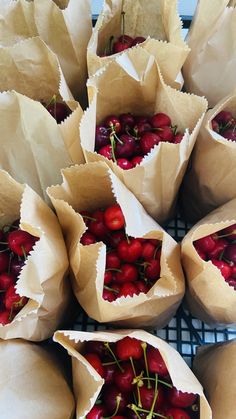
x=210, y=180
x=157, y=21
x=65, y=27
x=86, y=395
x=133, y=83
x=215, y=365
x=209, y=296
x=209, y=69
x=43, y=278
x=32, y=69
x=32, y=383
x=94, y=186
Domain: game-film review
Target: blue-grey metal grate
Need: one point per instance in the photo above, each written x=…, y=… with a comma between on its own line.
x=183, y=332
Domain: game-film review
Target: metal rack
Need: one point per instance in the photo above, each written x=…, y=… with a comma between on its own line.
x=183, y=332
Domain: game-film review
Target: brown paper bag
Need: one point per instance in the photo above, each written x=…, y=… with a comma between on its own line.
x=93, y=186
x=157, y=21
x=65, y=27
x=87, y=382
x=209, y=296
x=29, y=138
x=43, y=278
x=32, y=69
x=33, y=384
x=210, y=180
x=210, y=67
x=211, y=366
x=133, y=83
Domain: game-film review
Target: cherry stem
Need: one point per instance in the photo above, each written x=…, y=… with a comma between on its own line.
x=113, y=144
x=160, y=381
x=144, y=346
x=111, y=289
x=226, y=235
x=52, y=100
x=106, y=344
x=127, y=238
x=137, y=409
x=89, y=218
x=2, y=290
x=149, y=416
x=113, y=269
x=3, y=242
x=155, y=253
x=9, y=264
x=118, y=400
x=135, y=375
x=23, y=251
x=221, y=255
x=174, y=129
x=123, y=25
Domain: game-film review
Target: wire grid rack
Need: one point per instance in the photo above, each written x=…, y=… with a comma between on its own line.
x=183, y=332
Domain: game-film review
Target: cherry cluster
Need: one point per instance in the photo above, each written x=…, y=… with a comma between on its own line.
x=15, y=245
x=137, y=383
x=58, y=110
x=225, y=124
x=132, y=264
x=220, y=249
x=126, y=138
x=121, y=44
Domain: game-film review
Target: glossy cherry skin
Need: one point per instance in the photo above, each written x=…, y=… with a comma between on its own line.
x=230, y=134
x=223, y=117
x=153, y=270
x=215, y=125
x=21, y=242
x=136, y=160
x=112, y=260
x=97, y=412
x=230, y=231
x=147, y=396
x=129, y=251
x=156, y=363
x=88, y=238
x=114, y=218
x=166, y=134
x=106, y=151
x=12, y=300
x=108, y=295
x=176, y=413
x=179, y=398
x=123, y=379
x=138, y=40
x=102, y=137
x=128, y=289
x=224, y=267
x=128, y=273
x=124, y=164
x=205, y=244
x=6, y=280
x=110, y=397
x=113, y=123
x=5, y=317
x=148, y=141
x=129, y=348
x=178, y=138
x=109, y=372
x=230, y=253
x=220, y=246
x=160, y=120
x=96, y=363
x=148, y=250
x=127, y=121
x=126, y=146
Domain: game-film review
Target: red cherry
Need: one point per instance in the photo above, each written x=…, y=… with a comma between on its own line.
x=202, y=254
x=179, y=398
x=5, y=317
x=98, y=227
x=126, y=38
x=6, y=280
x=120, y=47
x=153, y=270
x=108, y=277
x=147, y=396
x=124, y=164
x=160, y=120
x=21, y=242
x=138, y=40
x=233, y=271
x=102, y=137
x=123, y=379
x=106, y=151
x=215, y=125
x=128, y=289
x=205, y=244
x=175, y=413
x=220, y=246
x=224, y=268
x=86, y=217
x=126, y=146
x=114, y=218
x=113, y=122
x=230, y=253
x=109, y=371
x=96, y=363
x=128, y=273
x=113, y=397
x=140, y=118
x=108, y=295
x=230, y=231
x=142, y=127
x=96, y=347
x=12, y=300
x=59, y=111
x=136, y=160
x=148, y=141
x=178, y=138
x=129, y=251
x=4, y=261
x=142, y=287
x=115, y=238
x=166, y=134
x=156, y=363
x=223, y=117
x=148, y=250
x=112, y=260
x=127, y=121
x=88, y=238
x=230, y=134
x=129, y=348
x=97, y=412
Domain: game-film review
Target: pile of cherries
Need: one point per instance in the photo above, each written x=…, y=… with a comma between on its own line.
x=132, y=264
x=137, y=383
x=15, y=245
x=225, y=124
x=126, y=138
x=121, y=44
x=220, y=249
